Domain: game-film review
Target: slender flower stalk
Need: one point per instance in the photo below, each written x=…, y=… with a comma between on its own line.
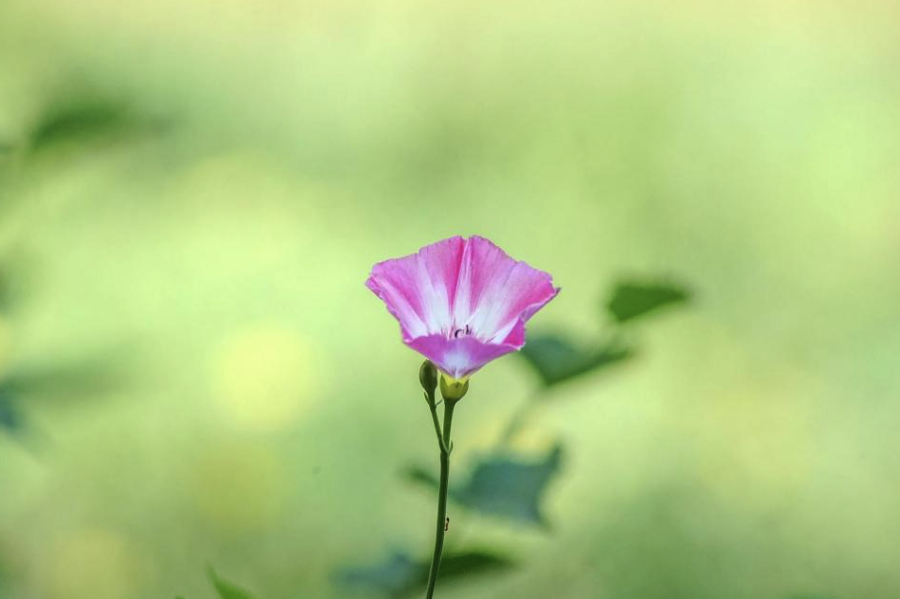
x=443, y=487
x=451, y=392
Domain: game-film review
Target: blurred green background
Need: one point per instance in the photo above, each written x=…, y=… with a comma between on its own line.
x=192, y=193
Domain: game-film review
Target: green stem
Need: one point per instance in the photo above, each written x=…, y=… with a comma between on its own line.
x=437, y=426
x=444, y=443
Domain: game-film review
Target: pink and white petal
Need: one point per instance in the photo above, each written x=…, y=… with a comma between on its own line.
x=516, y=336
x=495, y=291
x=521, y=307
x=459, y=358
x=482, y=262
x=418, y=288
x=400, y=305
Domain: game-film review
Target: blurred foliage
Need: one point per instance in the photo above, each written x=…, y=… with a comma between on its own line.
x=74, y=120
x=510, y=486
x=400, y=576
x=634, y=299
x=556, y=359
x=65, y=382
x=87, y=376
x=10, y=285
x=225, y=589
x=6, y=297
x=83, y=118
x=10, y=419
x=77, y=121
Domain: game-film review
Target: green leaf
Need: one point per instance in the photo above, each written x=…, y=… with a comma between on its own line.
x=84, y=377
x=506, y=485
x=88, y=117
x=225, y=589
x=556, y=359
x=632, y=299
x=510, y=486
x=421, y=476
x=397, y=575
x=81, y=380
x=400, y=576
x=10, y=418
x=77, y=120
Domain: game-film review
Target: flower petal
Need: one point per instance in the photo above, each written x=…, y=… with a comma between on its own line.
x=495, y=292
x=461, y=357
x=418, y=288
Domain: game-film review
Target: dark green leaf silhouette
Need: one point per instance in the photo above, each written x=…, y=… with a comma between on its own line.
x=10, y=418
x=225, y=589
x=556, y=360
x=77, y=378
x=87, y=118
x=506, y=485
x=510, y=486
x=421, y=476
x=401, y=576
x=631, y=300
x=394, y=577
x=79, y=120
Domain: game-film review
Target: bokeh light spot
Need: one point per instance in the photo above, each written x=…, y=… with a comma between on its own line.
x=239, y=487
x=94, y=563
x=265, y=378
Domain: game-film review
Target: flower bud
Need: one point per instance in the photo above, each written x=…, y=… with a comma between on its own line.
x=428, y=377
x=453, y=389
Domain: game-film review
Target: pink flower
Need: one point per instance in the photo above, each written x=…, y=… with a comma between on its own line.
x=461, y=302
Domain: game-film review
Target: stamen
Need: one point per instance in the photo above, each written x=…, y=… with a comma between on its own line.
x=464, y=332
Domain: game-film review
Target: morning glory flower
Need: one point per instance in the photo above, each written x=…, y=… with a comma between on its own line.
x=461, y=302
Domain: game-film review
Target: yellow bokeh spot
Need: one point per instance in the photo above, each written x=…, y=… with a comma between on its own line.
x=758, y=442
x=239, y=487
x=265, y=378
x=94, y=563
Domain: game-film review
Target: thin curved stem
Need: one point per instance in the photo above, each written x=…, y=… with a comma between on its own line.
x=444, y=443
x=437, y=427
